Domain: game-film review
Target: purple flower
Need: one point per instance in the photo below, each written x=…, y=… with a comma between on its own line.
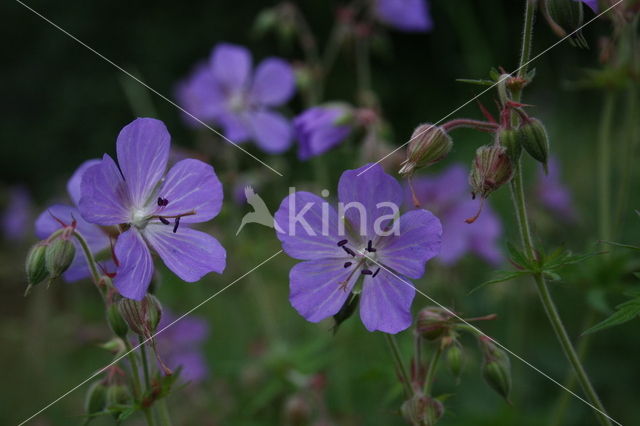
x=593, y=4
x=447, y=195
x=17, y=214
x=180, y=345
x=225, y=91
x=318, y=130
x=553, y=194
x=405, y=15
x=151, y=209
x=375, y=243
x=48, y=222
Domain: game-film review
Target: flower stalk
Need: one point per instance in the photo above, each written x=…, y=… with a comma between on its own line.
x=397, y=360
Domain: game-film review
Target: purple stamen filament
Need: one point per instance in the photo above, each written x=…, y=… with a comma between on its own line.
x=176, y=224
x=375, y=273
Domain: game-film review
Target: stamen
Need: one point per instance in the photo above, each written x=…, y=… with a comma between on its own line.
x=176, y=224
x=349, y=251
x=370, y=247
x=342, y=242
x=375, y=273
x=162, y=202
x=163, y=220
x=347, y=264
x=366, y=272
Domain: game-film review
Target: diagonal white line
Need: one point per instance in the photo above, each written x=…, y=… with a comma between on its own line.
x=148, y=339
x=492, y=86
x=477, y=330
x=147, y=86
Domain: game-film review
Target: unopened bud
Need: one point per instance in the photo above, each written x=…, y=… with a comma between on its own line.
x=534, y=139
x=95, y=400
x=566, y=17
x=496, y=367
x=455, y=359
x=422, y=410
x=428, y=145
x=117, y=395
x=59, y=256
x=116, y=322
x=432, y=322
x=491, y=169
x=296, y=411
x=35, y=265
x=265, y=22
x=142, y=316
x=510, y=139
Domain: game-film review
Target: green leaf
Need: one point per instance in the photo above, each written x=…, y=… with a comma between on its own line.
x=624, y=313
x=478, y=82
x=500, y=277
x=629, y=246
x=517, y=256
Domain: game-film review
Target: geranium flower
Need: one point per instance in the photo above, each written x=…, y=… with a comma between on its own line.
x=376, y=244
x=318, y=129
x=59, y=215
x=16, y=217
x=553, y=194
x=225, y=92
x=404, y=15
x=447, y=195
x=593, y=4
x=151, y=209
x=180, y=345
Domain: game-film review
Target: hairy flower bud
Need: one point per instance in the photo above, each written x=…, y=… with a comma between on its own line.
x=510, y=139
x=35, y=265
x=533, y=137
x=496, y=367
x=95, y=400
x=491, y=169
x=59, y=256
x=142, y=316
x=422, y=410
x=118, y=395
x=564, y=17
x=432, y=322
x=428, y=145
x=455, y=359
x=116, y=322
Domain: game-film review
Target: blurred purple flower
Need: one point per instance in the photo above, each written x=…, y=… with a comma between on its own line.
x=47, y=223
x=318, y=129
x=593, y=4
x=553, y=194
x=17, y=214
x=447, y=195
x=180, y=345
x=405, y=15
x=225, y=91
x=149, y=207
x=334, y=261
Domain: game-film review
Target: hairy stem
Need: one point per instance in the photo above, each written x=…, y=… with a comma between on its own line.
x=137, y=388
x=431, y=370
x=397, y=359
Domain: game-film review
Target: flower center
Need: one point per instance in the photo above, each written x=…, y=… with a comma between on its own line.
x=140, y=217
x=366, y=259
x=237, y=102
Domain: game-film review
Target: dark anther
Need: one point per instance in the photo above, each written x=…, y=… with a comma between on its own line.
x=375, y=273
x=366, y=272
x=342, y=242
x=162, y=201
x=349, y=251
x=370, y=248
x=176, y=224
x=347, y=264
x=163, y=220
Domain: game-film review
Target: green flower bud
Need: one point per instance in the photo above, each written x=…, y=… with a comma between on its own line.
x=59, y=256
x=429, y=144
x=534, y=139
x=432, y=323
x=265, y=22
x=491, y=169
x=116, y=322
x=455, y=359
x=496, y=367
x=510, y=139
x=142, y=316
x=118, y=395
x=95, y=400
x=35, y=265
x=564, y=17
x=422, y=410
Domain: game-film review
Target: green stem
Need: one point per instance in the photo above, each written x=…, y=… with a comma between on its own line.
x=137, y=388
x=431, y=370
x=91, y=261
x=163, y=412
x=604, y=168
x=397, y=359
x=145, y=362
x=517, y=192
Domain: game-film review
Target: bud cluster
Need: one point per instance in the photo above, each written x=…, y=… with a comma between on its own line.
x=48, y=260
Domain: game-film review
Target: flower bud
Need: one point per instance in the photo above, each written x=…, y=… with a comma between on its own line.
x=455, y=359
x=432, y=322
x=95, y=400
x=428, y=145
x=117, y=395
x=496, y=367
x=142, y=316
x=534, y=139
x=59, y=256
x=116, y=322
x=491, y=169
x=35, y=265
x=422, y=410
x=564, y=17
x=510, y=139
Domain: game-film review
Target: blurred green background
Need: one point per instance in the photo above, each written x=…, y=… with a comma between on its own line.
x=61, y=104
